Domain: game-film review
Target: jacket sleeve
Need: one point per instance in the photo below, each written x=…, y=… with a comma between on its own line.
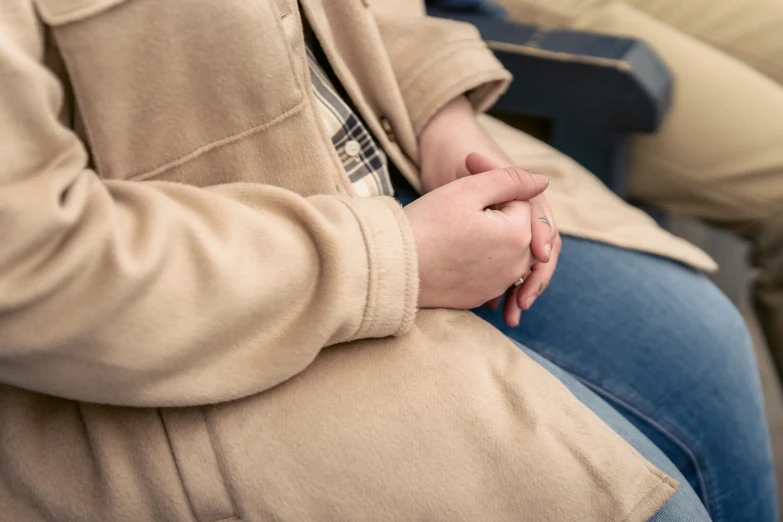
x=161, y=294
x=435, y=60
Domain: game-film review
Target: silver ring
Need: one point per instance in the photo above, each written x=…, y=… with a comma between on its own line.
x=519, y=281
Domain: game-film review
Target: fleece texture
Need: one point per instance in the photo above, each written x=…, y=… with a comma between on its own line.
x=199, y=322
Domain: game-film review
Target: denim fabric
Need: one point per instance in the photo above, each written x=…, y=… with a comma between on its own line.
x=685, y=505
x=669, y=352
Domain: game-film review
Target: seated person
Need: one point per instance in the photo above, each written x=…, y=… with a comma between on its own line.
x=202, y=320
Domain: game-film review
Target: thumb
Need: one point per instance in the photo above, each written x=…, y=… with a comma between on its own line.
x=506, y=184
x=477, y=163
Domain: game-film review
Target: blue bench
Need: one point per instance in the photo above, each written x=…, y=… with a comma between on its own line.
x=585, y=92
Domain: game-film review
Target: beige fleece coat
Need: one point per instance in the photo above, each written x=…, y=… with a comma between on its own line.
x=199, y=323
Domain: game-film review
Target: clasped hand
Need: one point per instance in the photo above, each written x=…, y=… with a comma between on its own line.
x=482, y=223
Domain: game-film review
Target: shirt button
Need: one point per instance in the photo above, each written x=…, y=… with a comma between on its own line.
x=352, y=148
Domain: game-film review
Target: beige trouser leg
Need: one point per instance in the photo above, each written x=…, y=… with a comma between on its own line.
x=749, y=30
x=719, y=154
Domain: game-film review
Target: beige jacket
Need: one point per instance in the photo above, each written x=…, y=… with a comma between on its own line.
x=199, y=323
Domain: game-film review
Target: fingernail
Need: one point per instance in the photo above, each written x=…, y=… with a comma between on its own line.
x=540, y=178
x=548, y=251
x=529, y=302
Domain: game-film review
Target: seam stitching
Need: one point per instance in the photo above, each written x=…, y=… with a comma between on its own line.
x=645, y=497
x=411, y=271
x=215, y=144
x=221, y=467
x=185, y=491
x=62, y=17
x=368, y=315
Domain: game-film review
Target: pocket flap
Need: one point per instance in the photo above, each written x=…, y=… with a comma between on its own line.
x=59, y=12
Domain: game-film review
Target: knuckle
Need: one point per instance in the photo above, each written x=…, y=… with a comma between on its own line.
x=528, y=177
x=513, y=175
x=519, y=176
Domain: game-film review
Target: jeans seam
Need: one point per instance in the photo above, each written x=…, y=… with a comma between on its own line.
x=704, y=480
x=703, y=477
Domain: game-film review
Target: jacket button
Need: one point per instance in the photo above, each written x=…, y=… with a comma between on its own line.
x=387, y=128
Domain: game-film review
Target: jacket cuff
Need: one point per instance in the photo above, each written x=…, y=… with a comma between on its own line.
x=467, y=67
x=393, y=273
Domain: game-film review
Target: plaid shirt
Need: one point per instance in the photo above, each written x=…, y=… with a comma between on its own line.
x=364, y=162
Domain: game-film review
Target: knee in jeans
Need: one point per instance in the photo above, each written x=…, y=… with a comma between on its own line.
x=719, y=323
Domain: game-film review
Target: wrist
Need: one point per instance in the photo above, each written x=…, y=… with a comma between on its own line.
x=439, y=160
x=446, y=121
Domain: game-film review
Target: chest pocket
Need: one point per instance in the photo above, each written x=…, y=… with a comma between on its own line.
x=159, y=82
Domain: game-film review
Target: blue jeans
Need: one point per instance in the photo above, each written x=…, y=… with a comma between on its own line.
x=684, y=506
x=660, y=344
x=668, y=351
